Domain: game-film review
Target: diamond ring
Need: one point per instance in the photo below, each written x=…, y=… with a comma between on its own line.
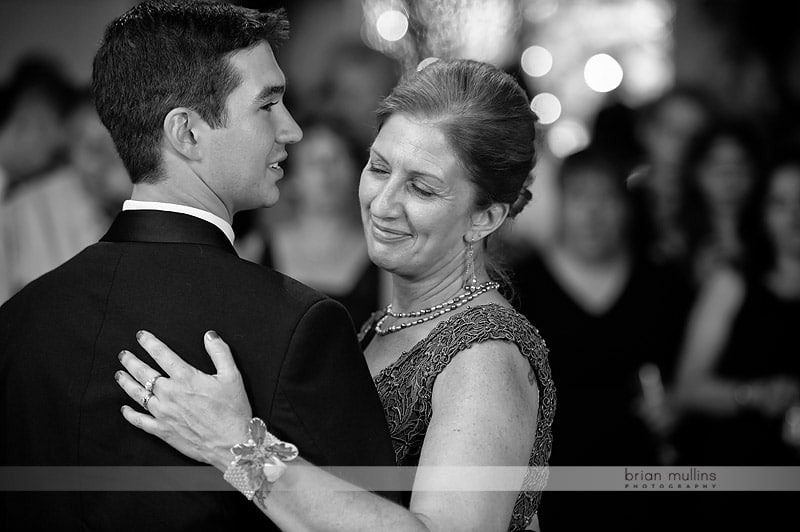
x=152, y=382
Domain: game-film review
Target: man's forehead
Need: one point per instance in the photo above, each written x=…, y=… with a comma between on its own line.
x=258, y=68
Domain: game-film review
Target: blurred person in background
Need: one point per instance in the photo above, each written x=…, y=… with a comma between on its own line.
x=739, y=375
x=57, y=214
x=39, y=203
x=356, y=79
x=606, y=312
x=315, y=234
x=93, y=157
x=35, y=101
x=721, y=178
x=664, y=128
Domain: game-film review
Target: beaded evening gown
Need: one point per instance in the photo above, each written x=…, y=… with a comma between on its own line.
x=406, y=386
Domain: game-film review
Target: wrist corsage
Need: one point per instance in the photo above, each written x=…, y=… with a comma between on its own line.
x=259, y=461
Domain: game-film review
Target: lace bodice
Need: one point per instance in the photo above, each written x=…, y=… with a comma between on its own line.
x=406, y=386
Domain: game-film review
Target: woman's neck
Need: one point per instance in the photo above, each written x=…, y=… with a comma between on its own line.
x=785, y=276
x=446, y=282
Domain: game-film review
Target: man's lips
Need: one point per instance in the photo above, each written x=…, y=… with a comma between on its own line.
x=275, y=166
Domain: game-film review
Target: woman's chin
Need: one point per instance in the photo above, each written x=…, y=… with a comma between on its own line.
x=384, y=259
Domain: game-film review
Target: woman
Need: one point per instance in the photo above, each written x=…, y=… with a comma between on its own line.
x=739, y=372
x=594, y=280
x=737, y=315
x=664, y=128
x=721, y=180
x=314, y=234
x=464, y=379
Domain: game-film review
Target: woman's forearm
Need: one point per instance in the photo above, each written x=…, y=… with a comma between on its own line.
x=719, y=397
x=308, y=498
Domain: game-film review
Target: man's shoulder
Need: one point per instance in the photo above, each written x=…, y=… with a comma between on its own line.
x=97, y=266
x=269, y=280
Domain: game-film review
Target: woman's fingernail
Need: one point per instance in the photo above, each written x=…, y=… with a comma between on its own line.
x=139, y=335
x=121, y=355
x=212, y=335
x=116, y=376
x=122, y=409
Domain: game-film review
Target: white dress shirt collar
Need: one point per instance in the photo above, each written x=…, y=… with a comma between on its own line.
x=138, y=205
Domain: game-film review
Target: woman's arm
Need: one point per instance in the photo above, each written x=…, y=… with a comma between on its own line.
x=710, y=322
x=204, y=415
x=485, y=406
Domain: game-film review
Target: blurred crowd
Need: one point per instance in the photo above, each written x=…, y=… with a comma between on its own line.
x=666, y=293
x=61, y=181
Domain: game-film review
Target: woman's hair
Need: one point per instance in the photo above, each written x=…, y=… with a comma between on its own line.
x=486, y=118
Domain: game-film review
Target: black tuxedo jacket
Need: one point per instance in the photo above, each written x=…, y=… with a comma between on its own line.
x=176, y=276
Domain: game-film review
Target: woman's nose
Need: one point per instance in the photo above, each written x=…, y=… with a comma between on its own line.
x=386, y=203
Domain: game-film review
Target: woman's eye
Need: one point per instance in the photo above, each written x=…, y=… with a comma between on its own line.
x=424, y=192
x=268, y=107
x=377, y=169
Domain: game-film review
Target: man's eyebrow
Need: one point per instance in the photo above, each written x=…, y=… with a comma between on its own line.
x=267, y=93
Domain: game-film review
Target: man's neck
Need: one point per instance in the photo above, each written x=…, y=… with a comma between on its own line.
x=168, y=191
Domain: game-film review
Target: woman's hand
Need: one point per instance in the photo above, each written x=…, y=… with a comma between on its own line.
x=200, y=415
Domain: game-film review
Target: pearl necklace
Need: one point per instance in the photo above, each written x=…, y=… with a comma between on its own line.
x=435, y=311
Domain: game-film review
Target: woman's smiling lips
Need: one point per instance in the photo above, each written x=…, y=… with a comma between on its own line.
x=387, y=235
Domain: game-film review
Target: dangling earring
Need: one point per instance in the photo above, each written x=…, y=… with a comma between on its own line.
x=470, y=281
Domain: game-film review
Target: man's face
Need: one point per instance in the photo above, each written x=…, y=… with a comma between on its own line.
x=242, y=157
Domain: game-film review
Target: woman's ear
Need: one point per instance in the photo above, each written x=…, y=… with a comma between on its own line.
x=487, y=221
x=181, y=132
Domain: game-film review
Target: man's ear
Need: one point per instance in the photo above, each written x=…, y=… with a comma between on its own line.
x=182, y=128
x=487, y=221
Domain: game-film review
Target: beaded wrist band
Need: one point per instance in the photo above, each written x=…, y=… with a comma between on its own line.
x=258, y=461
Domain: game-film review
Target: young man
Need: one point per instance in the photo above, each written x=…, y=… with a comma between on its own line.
x=192, y=96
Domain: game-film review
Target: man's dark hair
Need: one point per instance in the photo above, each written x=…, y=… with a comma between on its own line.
x=166, y=54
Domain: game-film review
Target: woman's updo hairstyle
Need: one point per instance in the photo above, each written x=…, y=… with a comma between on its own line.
x=485, y=116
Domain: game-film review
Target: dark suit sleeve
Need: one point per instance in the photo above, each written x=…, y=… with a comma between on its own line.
x=325, y=390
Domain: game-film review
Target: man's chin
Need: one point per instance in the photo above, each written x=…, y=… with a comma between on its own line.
x=269, y=199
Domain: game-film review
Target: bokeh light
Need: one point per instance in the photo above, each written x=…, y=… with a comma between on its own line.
x=392, y=25
x=567, y=137
x=536, y=61
x=547, y=106
x=602, y=73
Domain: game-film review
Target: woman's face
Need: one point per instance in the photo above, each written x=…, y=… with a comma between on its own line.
x=593, y=214
x=324, y=173
x=725, y=174
x=416, y=200
x=782, y=209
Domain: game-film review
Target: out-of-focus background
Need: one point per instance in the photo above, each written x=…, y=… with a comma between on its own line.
x=659, y=257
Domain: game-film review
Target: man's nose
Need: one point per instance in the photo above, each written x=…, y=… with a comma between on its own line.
x=289, y=131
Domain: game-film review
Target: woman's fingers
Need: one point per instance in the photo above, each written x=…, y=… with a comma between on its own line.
x=172, y=364
x=138, y=369
x=135, y=390
x=147, y=423
x=220, y=355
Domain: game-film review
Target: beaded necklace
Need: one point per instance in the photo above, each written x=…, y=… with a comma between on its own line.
x=435, y=311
